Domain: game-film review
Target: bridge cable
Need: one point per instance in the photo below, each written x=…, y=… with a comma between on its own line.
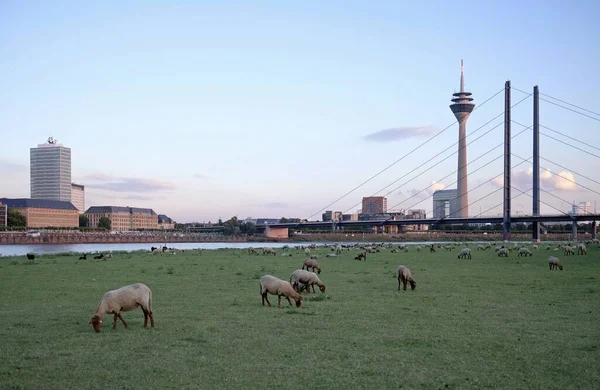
x=501, y=203
x=563, y=142
x=563, y=177
x=437, y=155
x=569, y=169
x=565, y=102
x=470, y=173
x=401, y=158
x=480, y=185
x=436, y=164
x=571, y=138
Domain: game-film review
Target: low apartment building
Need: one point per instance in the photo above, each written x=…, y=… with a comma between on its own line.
x=123, y=218
x=42, y=213
x=165, y=222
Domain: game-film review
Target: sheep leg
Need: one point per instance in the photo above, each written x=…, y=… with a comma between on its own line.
x=399, y=284
x=404, y=282
x=145, y=318
x=288, y=299
x=265, y=298
x=279, y=303
x=115, y=322
x=122, y=320
x=151, y=315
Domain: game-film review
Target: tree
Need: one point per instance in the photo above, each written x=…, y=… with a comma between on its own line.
x=248, y=228
x=104, y=222
x=16, y=219
x=231, y=226
x=83, y=220
x=284, y=220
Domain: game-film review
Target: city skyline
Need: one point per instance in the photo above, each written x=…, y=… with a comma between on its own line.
x=215, y=114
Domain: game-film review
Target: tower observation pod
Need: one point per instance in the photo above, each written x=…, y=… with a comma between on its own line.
x=462, y=107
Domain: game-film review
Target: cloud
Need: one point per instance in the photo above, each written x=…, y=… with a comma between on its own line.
x=127, y=184
x=419, y=193
x=400, y=133
x=96, y=177
x=142, y=197
x=563, y=180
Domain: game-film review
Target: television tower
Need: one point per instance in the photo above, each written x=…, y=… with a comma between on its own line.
x=462, y=107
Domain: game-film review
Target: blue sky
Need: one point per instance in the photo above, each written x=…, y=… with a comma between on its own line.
x=203, y=110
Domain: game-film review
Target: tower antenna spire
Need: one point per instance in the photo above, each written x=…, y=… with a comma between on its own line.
x=462, y=77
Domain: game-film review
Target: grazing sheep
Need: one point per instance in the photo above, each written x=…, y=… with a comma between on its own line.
x=480, y=247
x=153, y=248
x=502, y=252
x=419, y=248
x=31, y=256
x=252, y=251
x=554, y=262
x=524, y=252
x=405, y=276
x=311, y=263
x=581, y=249
x=535, y=247
x=338, y=249
x=84, y=257
x=431, y=249
x=362, y=255
x=465, y=253
x=100, y=256
x=300, y=276
x=286, y=254
x=569, y=250
x=314, y=257
x=307, y=252
x=124, y=299
x=269, y=251
x=331, y=255
x=271, y=285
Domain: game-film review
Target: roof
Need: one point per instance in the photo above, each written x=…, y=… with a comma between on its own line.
x=119, y=210
x=38, y=203
x=164, y=219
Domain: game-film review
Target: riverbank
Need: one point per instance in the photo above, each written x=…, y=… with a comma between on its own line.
x=62, y=237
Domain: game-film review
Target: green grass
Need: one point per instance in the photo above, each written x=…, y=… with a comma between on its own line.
x=488, y=322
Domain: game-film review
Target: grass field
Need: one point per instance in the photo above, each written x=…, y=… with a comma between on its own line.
x=488, y=322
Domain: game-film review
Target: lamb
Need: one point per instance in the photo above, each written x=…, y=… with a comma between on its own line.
x=554, y=262
x=465, y=253
x=404, y=277
x=338, y=249
x=275, y=286
x=300, y=276
x=362, y=255
x=124, y=299
x=524, y=252
x=502, y=252
x=312, y=263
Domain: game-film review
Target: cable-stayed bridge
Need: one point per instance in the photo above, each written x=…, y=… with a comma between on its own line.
x=510, y=192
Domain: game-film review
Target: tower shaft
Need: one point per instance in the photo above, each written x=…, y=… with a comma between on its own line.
x=462, y=107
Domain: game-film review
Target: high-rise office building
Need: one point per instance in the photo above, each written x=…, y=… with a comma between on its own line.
x=374, y=205
x=50, y=170
x=445, y=204
x=78, y=197
x=582, y=208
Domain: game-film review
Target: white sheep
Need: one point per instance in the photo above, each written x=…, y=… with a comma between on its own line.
x=465, y=253
x=124, y=299
x=271, y=285
x=338, y=249
x=405, y=276
x=331, y=255
x=312, y=263
x=269, y=251
x=554, y=262
x=307, y=252
x=568, y=250
x=307, y=278
x=581, y=249
x=502, y=252
x=524, y=252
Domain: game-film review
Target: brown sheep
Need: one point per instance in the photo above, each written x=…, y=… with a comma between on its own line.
x=404, y=277
x=312, y=263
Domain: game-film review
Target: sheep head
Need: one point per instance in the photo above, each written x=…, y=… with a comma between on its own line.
x=96, y=322
x=298, y=301
x=560, y=267
x=322, y=287
x=413, y=284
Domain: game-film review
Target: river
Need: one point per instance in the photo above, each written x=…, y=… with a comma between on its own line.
x=41, y=249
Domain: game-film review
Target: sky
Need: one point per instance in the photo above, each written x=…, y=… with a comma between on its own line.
x=208, y=109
